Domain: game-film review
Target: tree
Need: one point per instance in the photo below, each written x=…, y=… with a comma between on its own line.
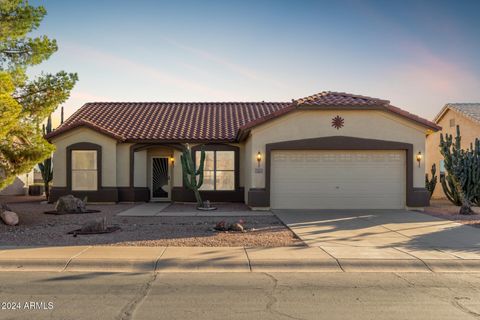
x=24, y=102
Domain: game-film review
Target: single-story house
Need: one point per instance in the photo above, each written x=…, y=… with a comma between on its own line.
x=329, y=150
x=467, y=117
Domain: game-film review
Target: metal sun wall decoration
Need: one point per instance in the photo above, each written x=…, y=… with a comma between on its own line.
x=338, y=122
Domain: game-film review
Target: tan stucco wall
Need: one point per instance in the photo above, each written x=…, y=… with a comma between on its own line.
x=109, y=155
x=140, y=169
x=247, y=172
x=304, y=124
x=123, y=164
x=469, y=130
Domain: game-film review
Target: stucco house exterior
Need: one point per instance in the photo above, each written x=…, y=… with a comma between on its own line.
x=328, y=150
x=467, y=117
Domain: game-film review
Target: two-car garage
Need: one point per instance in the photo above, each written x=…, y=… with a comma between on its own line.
x=338, y=179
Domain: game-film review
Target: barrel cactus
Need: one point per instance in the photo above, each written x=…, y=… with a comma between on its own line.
x=190, y=173
x=431, y=183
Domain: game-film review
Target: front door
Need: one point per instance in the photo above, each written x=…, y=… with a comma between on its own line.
x=160, y=187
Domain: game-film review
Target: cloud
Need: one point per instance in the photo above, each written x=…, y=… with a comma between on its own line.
x=236, y=68
x=427, y=70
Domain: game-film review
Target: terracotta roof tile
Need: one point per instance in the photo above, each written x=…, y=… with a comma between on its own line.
x=330, y=98
x=205, y=121
x=169, y=121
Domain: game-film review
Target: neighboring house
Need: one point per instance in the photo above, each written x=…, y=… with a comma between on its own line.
x=465, y=115
x=328, y=150
x=20, y=185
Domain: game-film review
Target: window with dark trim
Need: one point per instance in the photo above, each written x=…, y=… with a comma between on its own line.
x=84, y=167
x=219, y=170
x=84, y=170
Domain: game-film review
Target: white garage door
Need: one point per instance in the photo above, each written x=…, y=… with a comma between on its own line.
x=344, y=179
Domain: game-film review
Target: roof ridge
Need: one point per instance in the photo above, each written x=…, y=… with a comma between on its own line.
x=185, y=102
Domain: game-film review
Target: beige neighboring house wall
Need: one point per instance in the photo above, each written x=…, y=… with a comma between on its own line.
x=469, y=130
x=305, y=124
x=19, y=185
x=109, y=155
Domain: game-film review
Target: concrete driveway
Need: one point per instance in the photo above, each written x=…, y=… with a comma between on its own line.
x=383, y=234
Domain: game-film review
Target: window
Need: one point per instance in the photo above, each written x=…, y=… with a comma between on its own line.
x=452, y=123
x=84, y=170
x=218, y=171
x=442, y=166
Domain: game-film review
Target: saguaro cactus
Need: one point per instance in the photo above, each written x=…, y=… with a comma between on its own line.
x=190, y=173
x=430, y=184
x=46, y=168
x=463, y=168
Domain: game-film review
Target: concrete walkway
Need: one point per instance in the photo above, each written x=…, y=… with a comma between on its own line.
x=232, y=259
x=150, y=209
x=157, y=209
x=392, y=238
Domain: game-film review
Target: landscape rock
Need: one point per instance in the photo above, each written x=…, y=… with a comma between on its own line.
x=10, y=218
x=95, y=225
x=70, y=204
x=221, y=226
x=236, y=227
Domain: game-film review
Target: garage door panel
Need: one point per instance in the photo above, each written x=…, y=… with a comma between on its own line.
x=338, y=179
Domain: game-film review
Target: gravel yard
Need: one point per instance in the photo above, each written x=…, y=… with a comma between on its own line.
x=37, y=228
x=445, y=210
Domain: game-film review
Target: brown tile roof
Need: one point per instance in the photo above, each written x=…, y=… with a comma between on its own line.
x=342, y=100
x=329, y=98
x=205, y=121
x=169, y=121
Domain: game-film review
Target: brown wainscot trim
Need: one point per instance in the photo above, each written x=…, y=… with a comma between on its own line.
x=258, y=197
x=106, y=194
x=136, y=194
x=416, y=197
x=182, y=194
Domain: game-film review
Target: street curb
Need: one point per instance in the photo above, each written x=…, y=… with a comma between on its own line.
x=306, y=265
x=383, y=265
x=454, y=265
x=111, y=265
x=201, y=265
x=240, y=265
x=56, y=265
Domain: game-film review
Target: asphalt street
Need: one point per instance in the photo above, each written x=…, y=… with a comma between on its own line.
x=239, y=295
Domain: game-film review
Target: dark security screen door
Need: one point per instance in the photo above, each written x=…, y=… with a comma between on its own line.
x=160, y=179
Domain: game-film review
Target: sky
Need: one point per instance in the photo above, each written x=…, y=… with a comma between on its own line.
x=418, y=54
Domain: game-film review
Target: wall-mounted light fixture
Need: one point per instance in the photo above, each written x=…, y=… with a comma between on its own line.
x=172, y=160
x=419, y=158
x=259, y=158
